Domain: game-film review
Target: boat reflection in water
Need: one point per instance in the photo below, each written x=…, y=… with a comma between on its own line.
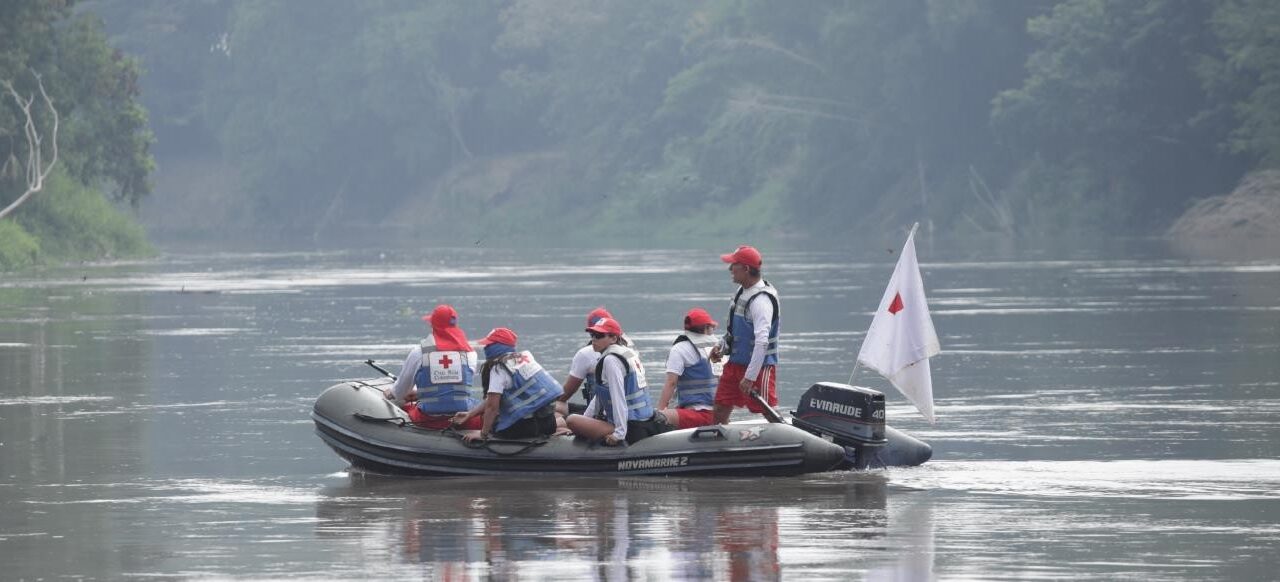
x=621, y=528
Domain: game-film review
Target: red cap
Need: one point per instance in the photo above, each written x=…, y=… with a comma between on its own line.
x=443, y=316
x=500, y=335
x=697, y=317
x=444, y=329
x=598, y=313
x=746, y=255
x=606, y=325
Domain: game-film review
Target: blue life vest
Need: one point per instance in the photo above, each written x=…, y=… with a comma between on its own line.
x=741, y=335
x=444, y=380
x=635, y=388
x=531, y=389
x=697, y=385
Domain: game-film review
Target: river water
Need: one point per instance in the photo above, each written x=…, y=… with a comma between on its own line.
x=1102, y=413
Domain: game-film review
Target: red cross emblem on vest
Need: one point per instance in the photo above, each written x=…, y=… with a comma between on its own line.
x=524, y=359
x=445, y=361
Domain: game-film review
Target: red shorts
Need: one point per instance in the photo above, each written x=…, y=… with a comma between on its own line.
x=690, y=418
x=728, y=393
x=439, y=421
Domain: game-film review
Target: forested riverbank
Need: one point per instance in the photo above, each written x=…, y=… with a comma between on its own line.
x=74, y=142
x=553, y=119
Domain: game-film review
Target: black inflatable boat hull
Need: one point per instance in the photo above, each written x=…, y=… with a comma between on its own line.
x=371, y=433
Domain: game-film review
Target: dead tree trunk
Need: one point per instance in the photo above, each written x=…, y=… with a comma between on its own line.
x=36, y=171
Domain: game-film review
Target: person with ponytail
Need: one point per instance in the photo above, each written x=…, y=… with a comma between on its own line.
x=520, y=396
x=435, y=382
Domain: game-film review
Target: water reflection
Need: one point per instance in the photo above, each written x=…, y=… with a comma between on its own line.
x=620, y=529
x=1107, y=414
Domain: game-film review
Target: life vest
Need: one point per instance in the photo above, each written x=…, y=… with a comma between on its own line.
x=635, y=388
x=531, y=389
x=588, y=387
x=697, y=385
x=742, y=332
x=444, y=380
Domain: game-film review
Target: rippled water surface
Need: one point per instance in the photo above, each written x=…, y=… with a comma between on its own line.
x=1101, y=416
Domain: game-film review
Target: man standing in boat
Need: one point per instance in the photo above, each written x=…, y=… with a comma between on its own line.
x=691, y=376
x=435, y=381
x=750, y=340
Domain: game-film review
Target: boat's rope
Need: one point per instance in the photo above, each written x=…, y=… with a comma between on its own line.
x=486, y=444
x=366, y=384
x=397, y=420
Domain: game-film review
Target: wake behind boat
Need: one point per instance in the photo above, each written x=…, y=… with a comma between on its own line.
x=836, y=427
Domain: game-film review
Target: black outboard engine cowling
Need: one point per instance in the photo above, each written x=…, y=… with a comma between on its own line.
x=850, y=415
x=853, y=417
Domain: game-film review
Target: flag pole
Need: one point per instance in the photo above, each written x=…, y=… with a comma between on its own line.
x=856, y=362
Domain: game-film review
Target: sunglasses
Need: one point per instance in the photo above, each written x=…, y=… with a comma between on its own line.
x=595, y=335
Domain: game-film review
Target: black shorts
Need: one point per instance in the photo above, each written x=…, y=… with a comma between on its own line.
x=541, y=423
x=642, y=429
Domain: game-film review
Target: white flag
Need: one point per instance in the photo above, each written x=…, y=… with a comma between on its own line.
x=901, y=338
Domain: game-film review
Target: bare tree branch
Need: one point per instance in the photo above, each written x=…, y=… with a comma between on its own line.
x=751, y=100
x=36, y=171
x=769, y=45
x=997, y=207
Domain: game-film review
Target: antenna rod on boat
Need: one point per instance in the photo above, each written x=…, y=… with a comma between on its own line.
x=855, y=371
x=380, y=369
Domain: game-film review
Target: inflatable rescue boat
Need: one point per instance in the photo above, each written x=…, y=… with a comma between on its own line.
x=835, y=427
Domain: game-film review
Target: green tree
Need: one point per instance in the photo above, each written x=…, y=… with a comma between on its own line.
x=1111, y=115
x=180, y=45
x=103, y=143
x=1246, y=76
x=593, y=75
x=341, y=108
x=874, y=111
x=673, y=116
x=95, y=88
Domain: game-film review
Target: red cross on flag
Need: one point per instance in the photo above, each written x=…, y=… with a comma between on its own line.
x=901, y=338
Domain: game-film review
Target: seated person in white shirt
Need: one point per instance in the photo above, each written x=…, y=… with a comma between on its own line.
x=582, y=369
x=691, y=375
x=620, y=409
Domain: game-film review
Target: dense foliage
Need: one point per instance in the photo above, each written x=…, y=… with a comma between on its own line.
x=667, y=117
x=103, y=142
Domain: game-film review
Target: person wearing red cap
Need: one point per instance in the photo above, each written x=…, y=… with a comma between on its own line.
x=691, y=376
x=519, y=397
x=620, y=409
x=751, y=340
x=438, y=373
x=580, y=369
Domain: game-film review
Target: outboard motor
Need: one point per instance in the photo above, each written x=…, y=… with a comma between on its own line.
x=853, y=417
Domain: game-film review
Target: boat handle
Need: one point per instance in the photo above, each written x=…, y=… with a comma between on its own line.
x=707, y=432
